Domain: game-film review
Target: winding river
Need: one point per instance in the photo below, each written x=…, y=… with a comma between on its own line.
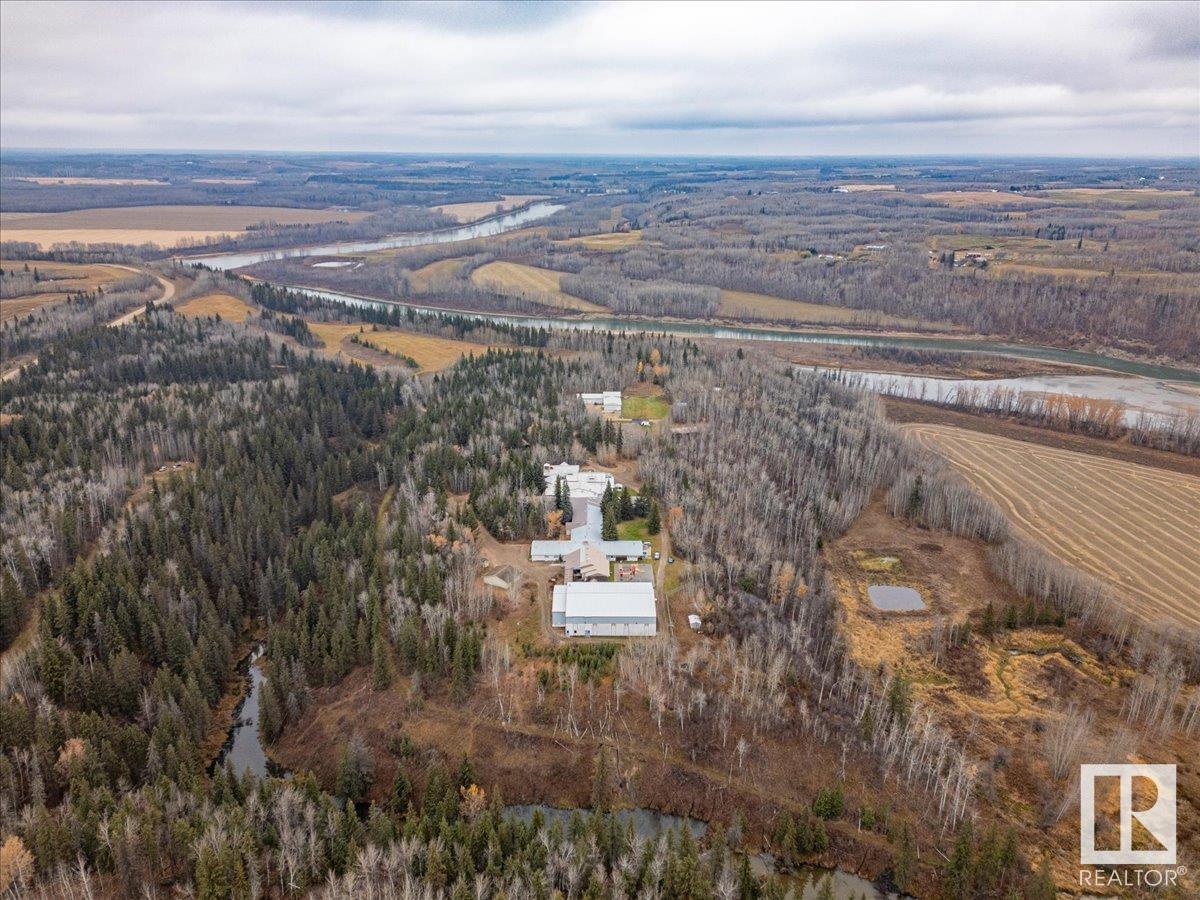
x=538, y=211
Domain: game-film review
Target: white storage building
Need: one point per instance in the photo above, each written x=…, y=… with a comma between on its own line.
x=609, y=401
x=605, y=609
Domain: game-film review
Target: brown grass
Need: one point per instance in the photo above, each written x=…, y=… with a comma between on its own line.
x=747, y=305
x=994, y=693
x=469, y=212
x=167, y=226
x=226, y=306
x=427, y=277
x=1135, y=527
x=531, y=282
x=431, y=353
x=609, y=240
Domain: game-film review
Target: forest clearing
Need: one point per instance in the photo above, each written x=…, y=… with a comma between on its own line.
x=1134, y=527
x=607, y=240
x=225, y=306
x=430, y=352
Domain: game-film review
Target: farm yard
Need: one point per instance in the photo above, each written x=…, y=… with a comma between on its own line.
x=1134, y=527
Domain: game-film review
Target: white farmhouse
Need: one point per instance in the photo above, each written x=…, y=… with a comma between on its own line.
x=605, y=609
x=609, y=401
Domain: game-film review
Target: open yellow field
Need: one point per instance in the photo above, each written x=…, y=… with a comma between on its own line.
x=540, y=285
x=58, y=281
x=609, y=240
x=427, y=277
x=142, y=182
x=976, y=198
x=1135, y=527
x=167, y=226
x=1129, y=196
x=431, y=353
x=227, y=306
x=469, y=212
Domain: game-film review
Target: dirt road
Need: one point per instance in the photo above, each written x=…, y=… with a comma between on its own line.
x=167, y=295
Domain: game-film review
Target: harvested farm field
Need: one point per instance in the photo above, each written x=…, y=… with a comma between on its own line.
x=530, y=282
x=469, y=212
x=1135, y=527
x=608, y=240
x=167, y=226
x=226, y=306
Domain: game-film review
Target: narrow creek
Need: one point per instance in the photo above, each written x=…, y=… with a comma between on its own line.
x=243, y=748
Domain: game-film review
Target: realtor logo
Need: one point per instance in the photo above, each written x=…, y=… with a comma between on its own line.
x=1158, y=819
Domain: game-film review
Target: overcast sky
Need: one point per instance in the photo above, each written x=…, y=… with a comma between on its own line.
x=804, y=78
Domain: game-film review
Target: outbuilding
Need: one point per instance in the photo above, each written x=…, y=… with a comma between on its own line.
x=605, y=609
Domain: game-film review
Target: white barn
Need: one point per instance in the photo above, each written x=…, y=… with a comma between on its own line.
x=605, y=609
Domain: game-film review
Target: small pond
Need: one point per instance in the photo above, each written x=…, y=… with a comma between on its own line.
x=895, y=598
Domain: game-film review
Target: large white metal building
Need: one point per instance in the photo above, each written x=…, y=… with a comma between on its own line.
x=605, y=609
x=609, y=401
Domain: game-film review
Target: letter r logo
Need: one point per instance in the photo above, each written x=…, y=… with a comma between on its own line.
x=1158, y=819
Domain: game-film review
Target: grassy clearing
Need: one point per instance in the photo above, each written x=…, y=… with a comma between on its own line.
x=226, y=306
x=878, y=563
x=863, y=188
x=128, y=182
x=167, y=226
x=469, y=212
x=1126, y=196
x=611, y=240
x=531, y=282
x=644, y=407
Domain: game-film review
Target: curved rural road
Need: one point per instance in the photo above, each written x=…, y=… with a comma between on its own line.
x=168, y=293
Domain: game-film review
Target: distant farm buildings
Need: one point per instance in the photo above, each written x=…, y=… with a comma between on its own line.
x=609, y=401
x=605, y=609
